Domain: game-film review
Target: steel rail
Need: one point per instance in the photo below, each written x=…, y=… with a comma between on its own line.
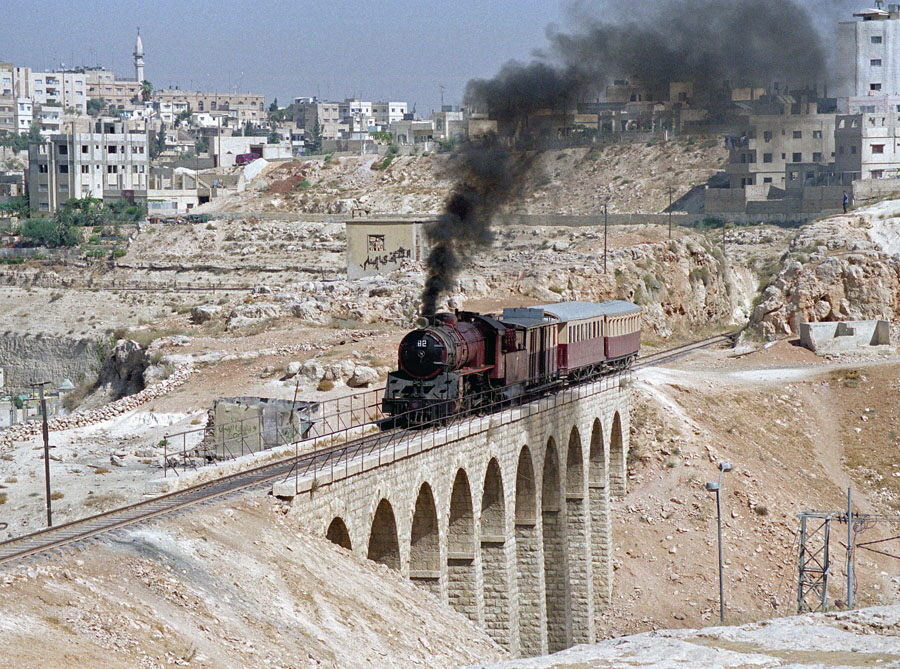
x=74, y=531
x=680, y=351
x=41, y=541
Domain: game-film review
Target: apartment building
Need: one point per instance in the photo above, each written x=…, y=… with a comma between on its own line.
x=102, y=159
x=119, y=94
x=245, y=107
x=794, y=133
x=869, y=53
x=867, y=146
x=386, y=113
x=312, y=111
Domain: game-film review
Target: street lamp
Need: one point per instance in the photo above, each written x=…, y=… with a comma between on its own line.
x=716, y=486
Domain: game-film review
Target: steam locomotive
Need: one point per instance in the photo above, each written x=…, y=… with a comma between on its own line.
x=466, y=361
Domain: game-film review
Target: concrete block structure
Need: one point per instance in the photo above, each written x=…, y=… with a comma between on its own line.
x=869, y=53
x=106, y=159
x=868, y=145
x=379, y=247
x=846, y=336
x=504, y=517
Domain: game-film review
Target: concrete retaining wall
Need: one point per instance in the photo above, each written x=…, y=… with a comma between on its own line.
x=845, y=336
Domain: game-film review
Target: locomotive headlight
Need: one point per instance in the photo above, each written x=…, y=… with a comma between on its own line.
x=421, y=322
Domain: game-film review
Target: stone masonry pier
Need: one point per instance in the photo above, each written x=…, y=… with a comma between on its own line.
x=503, y=517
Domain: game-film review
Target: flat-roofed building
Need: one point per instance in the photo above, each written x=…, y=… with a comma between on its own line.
x=103, y=159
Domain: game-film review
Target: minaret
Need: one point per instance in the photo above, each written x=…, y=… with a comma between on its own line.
x=139, y=58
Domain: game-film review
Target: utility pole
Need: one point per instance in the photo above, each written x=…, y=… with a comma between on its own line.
x=46, y=433
x=716, y=487
x=670, y=212
x=605, y=231
x=849, y=548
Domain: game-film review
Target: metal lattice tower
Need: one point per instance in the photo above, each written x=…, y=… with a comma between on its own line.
x=815, y=564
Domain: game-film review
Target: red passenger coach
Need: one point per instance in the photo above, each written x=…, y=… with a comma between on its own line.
x=594, y=336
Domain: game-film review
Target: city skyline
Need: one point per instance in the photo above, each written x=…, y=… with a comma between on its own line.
x=332, y=50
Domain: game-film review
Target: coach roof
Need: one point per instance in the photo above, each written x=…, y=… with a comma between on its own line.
x=574, y=311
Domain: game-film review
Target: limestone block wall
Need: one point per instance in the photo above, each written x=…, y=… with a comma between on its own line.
x=504, y=517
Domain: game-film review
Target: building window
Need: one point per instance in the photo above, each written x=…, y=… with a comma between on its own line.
x=798, y=134
x=877, y=174
x=874, y=87
x=767, y=180
x=111, y=149
x=875, y=62
x=853, y=150
x=85, y=169
x=817, y=134
x=44, y=206
x=876, y=39
x=63, y=150
x=767, y=157
x=112, y=169
x=783, y=156
x=42, y=169
x=878, y=148
x=84, y=148
x=796, y=157
x=64, y=169
x=817, y=156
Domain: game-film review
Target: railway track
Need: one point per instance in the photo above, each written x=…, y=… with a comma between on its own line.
x=72, y=533
x=685, y=349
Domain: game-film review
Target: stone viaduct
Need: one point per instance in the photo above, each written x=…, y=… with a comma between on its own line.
x=503, y=517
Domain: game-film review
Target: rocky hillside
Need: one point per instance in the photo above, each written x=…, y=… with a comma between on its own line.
x=840, y=268
x=635, y=178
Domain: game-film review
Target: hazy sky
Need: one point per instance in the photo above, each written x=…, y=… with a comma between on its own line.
x=385, y=50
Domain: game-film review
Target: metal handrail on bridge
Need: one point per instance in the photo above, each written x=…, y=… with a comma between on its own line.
x=424, y=436
x=332, y=419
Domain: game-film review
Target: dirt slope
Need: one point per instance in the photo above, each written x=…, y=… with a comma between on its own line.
x=233, y=585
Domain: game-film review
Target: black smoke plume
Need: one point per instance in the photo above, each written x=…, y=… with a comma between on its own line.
x=707, y=42
x=488, y=176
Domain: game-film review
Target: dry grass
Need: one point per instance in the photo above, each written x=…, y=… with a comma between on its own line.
x=101, y=470
x=104, y=502
x=57, y=495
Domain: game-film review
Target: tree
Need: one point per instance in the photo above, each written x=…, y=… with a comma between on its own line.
x=50, y=233
x=95, y=106
x=315, y=142
x=274, y=138
x=146, y=90
x=202, y=145
x=158, y=145
x=17, y=206
x=184, y=116
x=34, y=132
x=274, y=106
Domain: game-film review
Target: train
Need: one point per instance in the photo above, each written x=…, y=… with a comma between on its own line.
x=465, y=361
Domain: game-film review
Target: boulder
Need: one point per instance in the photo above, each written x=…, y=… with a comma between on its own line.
x=205, y=312
x=293, y=368
x=362, y=376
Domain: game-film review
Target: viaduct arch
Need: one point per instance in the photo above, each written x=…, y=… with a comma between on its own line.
x=506, y=518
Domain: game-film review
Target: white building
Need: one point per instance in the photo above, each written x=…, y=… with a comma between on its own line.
x=868, y=145
x=24, y=114
x=386, y=113
x=869, y=53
